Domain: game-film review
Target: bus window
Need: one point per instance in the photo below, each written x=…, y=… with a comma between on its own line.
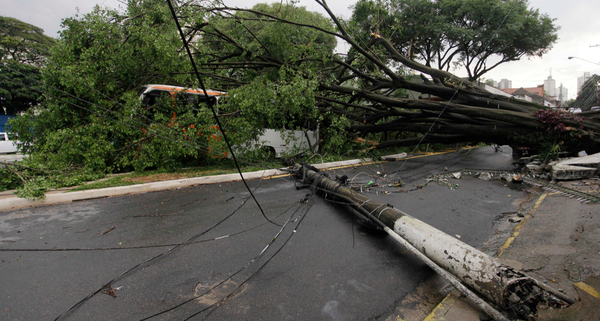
x=150, y=98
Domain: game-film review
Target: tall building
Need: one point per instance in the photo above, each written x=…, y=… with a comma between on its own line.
x=581, y=80
x=504, y=84
x=563, y=94
x=550, y=86
x=491, y=82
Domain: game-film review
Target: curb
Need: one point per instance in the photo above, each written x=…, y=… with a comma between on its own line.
x=12, y=202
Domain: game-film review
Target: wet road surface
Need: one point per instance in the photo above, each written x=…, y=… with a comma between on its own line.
x=118, y=257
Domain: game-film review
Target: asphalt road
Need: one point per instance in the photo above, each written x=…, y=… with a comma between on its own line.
x=314, y=263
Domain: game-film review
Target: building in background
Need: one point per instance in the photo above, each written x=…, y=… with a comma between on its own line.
x=505, y=84
x=550, y=87
x=581, y=80
x=491, y=82
x=563, y=94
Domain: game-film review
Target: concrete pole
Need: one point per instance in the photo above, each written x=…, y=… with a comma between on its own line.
x=497, y=282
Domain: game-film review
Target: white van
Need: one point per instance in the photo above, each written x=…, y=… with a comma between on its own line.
x=6, y=144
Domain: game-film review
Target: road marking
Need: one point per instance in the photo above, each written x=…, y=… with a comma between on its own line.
x=441, y=309
x=517, y=229
x=588, y=289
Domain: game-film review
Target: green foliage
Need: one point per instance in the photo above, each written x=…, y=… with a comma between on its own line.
x=23, y=50
x=558, y=137
x=91, y=114
x=263, y=96
x=451, y=33
x=91, y=117
x=550, y=150
x=264, y=32
x=22, y=42
x=33, y=176
x=19, y=87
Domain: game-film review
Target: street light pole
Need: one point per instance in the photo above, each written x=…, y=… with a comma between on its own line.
x=585, y=60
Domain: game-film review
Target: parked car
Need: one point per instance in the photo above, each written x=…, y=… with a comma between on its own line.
x=7, y=145
x=574, y=110
x=595, y=108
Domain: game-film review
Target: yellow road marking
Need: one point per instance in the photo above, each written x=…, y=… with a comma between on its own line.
x=277, y=176
x=441, y=309
x=588, y=289
x=517, y=229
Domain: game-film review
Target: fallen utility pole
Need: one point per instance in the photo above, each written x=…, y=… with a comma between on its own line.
x=459, y=263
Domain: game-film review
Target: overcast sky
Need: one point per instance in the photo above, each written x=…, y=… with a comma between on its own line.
x=580, y=29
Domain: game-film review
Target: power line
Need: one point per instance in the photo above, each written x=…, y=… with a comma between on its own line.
x=210, y=105
x=191, y=240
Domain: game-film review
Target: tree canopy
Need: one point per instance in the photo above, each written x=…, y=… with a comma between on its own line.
x=477, y=35
x=92, y=113
x=23, y=42
x=23, y=50
x=18, y=84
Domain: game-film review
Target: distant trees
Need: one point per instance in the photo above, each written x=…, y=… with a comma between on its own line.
x=24, y=43
x=23, y=51
x=477, y=35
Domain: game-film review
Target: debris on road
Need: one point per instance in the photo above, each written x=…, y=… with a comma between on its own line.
x=484, y=176
x=109, y=290
x=515, y=219
x=571, y=172
x=459, y=263
x=110, y=229
x=575, y=168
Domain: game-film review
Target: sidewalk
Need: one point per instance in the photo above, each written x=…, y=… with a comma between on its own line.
x=9, y=201
x=558, y=243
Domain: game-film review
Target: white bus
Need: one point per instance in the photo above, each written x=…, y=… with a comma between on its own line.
x=276, y=142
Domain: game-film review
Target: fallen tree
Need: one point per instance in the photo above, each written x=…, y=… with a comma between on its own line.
x=369, y=92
